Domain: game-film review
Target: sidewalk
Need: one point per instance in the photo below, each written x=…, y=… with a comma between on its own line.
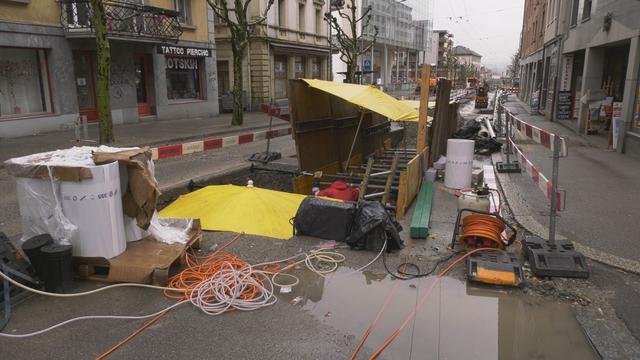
x=601, y=185
x=138, y=134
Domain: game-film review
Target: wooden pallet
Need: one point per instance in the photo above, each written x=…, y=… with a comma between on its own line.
x=144, y=261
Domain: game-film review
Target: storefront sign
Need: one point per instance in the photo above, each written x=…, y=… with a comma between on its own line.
x=563, y=111
x=567, y=71
x=170, y=50
x=181, y=63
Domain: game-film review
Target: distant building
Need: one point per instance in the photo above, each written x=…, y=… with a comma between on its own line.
x=467, y=56
x=445, y=44
x=404, y=36
x=431, y=55
x=292, y=43
x=531, y=50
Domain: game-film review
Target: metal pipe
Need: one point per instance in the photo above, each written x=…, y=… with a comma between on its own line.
x=381, y=173
x=372, y=195
x=370, y=186
x=487, y=124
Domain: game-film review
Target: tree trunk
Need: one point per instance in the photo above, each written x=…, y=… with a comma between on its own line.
x=104, y=71
x=351, y=73
x=238, y=112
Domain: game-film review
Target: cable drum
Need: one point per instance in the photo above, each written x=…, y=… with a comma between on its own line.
x=482, y=231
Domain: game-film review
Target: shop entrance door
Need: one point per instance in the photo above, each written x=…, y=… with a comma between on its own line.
x=85, y=84
x=142, y=84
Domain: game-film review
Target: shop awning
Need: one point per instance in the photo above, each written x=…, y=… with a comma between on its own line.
x=368, y=97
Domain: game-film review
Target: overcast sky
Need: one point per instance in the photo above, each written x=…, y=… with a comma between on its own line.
x=489, y=27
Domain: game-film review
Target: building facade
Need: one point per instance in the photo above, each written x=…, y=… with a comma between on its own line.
x=162, y=63
x=445, y=48
x=603, y=46
x=292, y=43
x=431, y=55
x=531, y=51
x=403, y=39
x=467, y=56
x=584, y=65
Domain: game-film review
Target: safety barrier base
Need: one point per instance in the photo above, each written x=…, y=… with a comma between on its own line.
x=512, y=167
x=559, y=259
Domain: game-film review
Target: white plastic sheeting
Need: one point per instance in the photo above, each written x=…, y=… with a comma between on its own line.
x=459, y=163
x=88, y=213
x=95, y=206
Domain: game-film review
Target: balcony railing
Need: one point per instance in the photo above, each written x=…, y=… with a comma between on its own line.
x=123, y=20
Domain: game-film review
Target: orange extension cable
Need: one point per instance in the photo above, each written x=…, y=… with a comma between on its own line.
x=413, y=313
x=383, y=307
x=482, y=231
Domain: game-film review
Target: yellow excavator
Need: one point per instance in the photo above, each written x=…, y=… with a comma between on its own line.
x=482, y=97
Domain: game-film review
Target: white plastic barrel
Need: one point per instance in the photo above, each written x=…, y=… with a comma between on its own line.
x=95, y=206
x=459, y=163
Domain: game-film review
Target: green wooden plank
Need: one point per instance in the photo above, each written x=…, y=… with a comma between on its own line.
x=422, y=213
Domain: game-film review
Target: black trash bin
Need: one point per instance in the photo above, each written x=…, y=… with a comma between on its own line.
x=57, y=268
x=32, y=248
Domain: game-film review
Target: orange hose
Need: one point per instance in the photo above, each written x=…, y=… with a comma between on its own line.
x=133, y=334
x=383, y=307
x=413, y=313
x=482, y=231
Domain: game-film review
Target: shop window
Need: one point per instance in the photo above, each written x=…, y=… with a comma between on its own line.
x=280, y=77
x=299, y=67
x=24, y=82
x=183, y=7
x=282, y=13
x=224, y=84
x=183, y=78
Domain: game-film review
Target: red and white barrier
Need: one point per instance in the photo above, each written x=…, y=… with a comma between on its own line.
x=538, y=135
x=169, y=151
x=537, y=176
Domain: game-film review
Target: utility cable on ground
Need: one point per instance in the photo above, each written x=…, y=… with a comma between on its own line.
x=215, y=284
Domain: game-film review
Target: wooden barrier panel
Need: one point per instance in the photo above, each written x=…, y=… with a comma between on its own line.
x=410, y=181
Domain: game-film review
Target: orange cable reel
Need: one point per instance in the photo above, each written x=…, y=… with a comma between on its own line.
x=482, y=231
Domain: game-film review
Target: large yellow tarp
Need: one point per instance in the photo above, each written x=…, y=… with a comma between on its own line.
x=415, y=104
x=251, y=210
x=368, y=97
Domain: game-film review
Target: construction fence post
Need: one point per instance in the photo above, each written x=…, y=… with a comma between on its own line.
x=508, y=166
x=557, y=144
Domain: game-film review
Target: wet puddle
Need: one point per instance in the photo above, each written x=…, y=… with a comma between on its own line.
x=456, y=321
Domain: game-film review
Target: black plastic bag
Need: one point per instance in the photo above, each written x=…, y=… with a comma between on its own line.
x=372, y=226
x=325, y=219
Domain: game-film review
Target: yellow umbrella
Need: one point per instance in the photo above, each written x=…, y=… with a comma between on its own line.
x=245, y=209
x=415, y=104
x=368, y=97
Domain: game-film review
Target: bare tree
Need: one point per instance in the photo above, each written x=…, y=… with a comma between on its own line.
x=103, y=52
x=234, y=14
x=468, y=71
x=350, y=45
x=514, y=67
